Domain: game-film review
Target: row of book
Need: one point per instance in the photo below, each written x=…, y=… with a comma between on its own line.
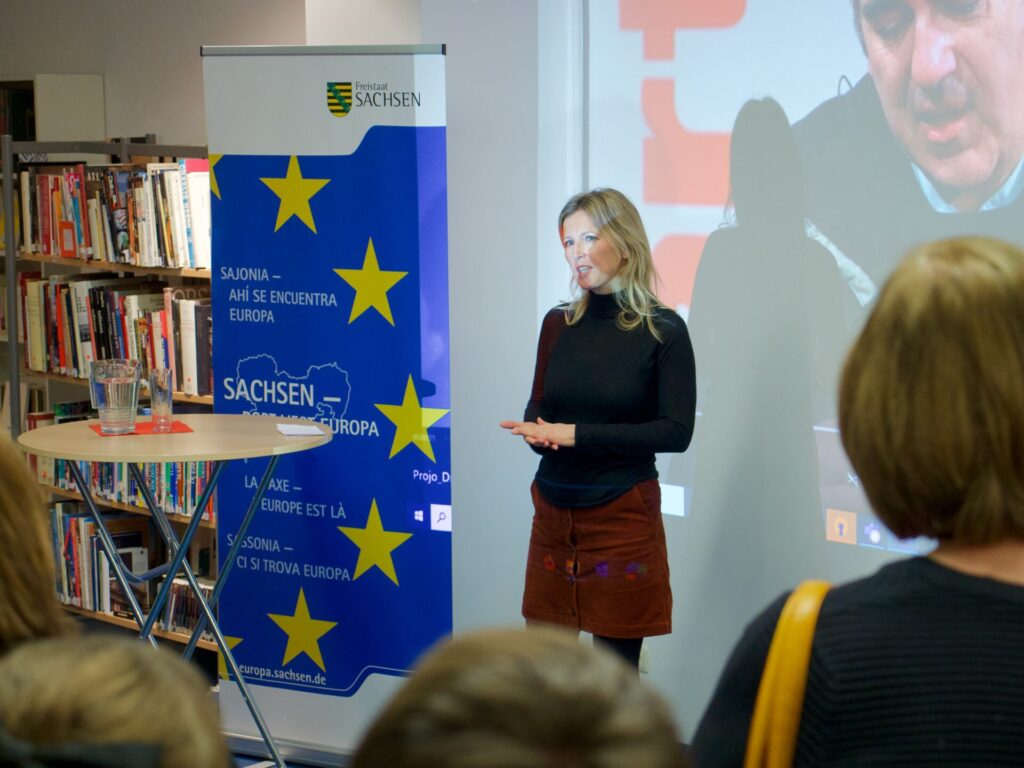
x=67, y=321
x=83, y=572
x=150, y=215
x=176, y=487
x=84, y=578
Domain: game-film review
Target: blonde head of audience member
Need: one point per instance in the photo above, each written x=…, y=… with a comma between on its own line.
x=28, y=604
x=115, y=701
x=931, y=408
x=530, y=698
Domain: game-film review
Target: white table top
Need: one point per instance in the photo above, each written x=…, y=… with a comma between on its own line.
x=214, y=437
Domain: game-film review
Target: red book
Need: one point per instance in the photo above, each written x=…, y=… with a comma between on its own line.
x=62, y=359
x=77, y=577
x=123, y=320
x=90, y=311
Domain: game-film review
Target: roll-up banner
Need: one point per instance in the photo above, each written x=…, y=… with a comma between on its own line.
x=330, y=302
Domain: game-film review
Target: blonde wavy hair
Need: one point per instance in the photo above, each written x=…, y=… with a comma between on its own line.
x=28, y=601
x=104, y=690
x=618, y=222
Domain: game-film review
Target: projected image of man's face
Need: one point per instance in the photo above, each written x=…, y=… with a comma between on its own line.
x=950, y=74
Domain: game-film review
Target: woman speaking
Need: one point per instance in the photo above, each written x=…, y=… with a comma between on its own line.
x=614, y=384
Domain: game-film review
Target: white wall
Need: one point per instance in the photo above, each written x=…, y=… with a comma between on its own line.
x=492, y=194
x=363, y=22
x=146, y=50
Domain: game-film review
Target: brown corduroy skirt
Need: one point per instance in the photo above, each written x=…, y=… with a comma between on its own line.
x=600, y=569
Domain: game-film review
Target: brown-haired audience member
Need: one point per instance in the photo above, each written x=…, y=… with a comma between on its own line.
x=28, y=604
x=522, y=698
x=109, y=701
x=921, y=663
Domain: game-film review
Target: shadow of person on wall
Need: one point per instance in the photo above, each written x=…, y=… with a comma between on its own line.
x=767, y=322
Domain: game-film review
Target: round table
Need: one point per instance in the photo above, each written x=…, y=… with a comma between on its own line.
x=214, y=438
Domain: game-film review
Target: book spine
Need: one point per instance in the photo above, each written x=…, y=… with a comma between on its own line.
x=202, y=346
x=27, y=198
x=43, y=206
x=168, y=331
x=186, y=212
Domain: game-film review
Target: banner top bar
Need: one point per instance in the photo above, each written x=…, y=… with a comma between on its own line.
x=319, y=50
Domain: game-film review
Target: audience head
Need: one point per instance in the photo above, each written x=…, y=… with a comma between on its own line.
x=28, y=604
x=101, y=693
x=527, y=698
x=764, y=169
x=930, y=404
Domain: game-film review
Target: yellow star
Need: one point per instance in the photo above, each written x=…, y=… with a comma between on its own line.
x=222, y=665
x=411, y=422
x=303, y=632
x=214, y=159
x=295, y=193
x=375, y=545
x=372, y=285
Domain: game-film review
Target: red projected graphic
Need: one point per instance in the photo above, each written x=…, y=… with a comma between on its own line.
x=675, y=258
x=680, y=166
x=660, y=19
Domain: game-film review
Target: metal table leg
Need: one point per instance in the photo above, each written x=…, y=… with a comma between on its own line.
x=180, y=550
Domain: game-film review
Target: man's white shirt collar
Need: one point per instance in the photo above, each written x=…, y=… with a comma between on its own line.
x=1007, y=194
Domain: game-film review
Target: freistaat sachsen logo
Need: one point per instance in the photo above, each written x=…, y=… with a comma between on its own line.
x=339, y=98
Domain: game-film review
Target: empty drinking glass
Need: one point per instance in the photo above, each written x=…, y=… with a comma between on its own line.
x=161, y=391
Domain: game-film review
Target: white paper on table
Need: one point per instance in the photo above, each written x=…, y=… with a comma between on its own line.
x=297, y=430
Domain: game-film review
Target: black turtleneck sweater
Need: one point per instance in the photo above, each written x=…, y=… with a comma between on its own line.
x=629, y=395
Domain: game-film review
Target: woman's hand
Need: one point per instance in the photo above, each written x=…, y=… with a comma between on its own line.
x=543, y=434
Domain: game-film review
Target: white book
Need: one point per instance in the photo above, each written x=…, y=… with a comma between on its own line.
x=172, y=183
x=199, y=203
x=104, y=583
x=187, y=317
x=35, y=333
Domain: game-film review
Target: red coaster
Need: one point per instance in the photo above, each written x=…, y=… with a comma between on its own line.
x=145, y=428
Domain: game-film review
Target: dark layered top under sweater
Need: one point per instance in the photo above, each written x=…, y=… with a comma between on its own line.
x=628, y=394
x=917, y=665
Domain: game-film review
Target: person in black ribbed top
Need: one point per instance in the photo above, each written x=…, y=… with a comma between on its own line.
x=614, y=384
x=921, y=663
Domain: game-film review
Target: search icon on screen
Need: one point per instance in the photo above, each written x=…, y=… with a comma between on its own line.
x=441, y=517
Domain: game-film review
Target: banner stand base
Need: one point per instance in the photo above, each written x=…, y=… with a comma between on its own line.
x=297, y=752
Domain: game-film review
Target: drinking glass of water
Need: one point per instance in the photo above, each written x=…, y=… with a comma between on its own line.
x=114, y=386
x=161, y=395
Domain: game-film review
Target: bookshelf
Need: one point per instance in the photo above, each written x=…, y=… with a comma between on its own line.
x=61, y=386
x=54, y=490
x=50, y=265
x=117, y=621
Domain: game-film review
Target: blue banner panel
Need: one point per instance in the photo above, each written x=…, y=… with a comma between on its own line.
x=330, y=302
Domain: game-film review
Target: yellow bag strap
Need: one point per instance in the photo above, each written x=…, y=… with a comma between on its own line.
x=780, y=696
